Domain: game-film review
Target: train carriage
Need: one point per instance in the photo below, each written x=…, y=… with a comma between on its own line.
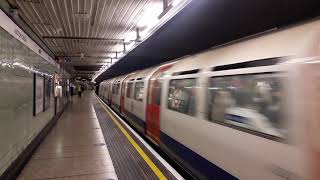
x=104, y=90
x=135, y=97
x=245, y=110
x=109, y=91
x=154, y=94
x=116, y=92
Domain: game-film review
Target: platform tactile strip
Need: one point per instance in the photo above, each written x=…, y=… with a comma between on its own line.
x=127, y=162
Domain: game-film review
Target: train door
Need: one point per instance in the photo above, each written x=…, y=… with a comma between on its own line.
x=153, y=104
x=122, y=94
x=128, y=103
x=112, y=91
x=109, y=93
x=310, y=81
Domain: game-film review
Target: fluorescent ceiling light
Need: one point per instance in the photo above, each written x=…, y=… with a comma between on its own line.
x=82, y=15
x=150, y=15
x=115, y=60
x=131, y=36
x=177, y=2
x=120, y=55
x=130, y=46
x=112, y=55
x=176, y=6
x=118, y=47
x=82, y=55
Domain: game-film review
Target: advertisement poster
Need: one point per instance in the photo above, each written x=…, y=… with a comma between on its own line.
x=39, y=94
x=48, y=90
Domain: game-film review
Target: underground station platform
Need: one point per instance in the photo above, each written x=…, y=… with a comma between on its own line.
x=91, y=142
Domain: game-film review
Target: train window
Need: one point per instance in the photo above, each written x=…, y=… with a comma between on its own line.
x=255, y=63
x=181, y=96
x=157, y=99
x=118, y=88
x=110, y=87
x=253, y=102
x=194, y=71
x=155, y=92
x=138, y=91
x=150, y=91
x=114, y=88
x=129, y=89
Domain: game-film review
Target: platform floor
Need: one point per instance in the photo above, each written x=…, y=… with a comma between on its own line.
x=79, y=147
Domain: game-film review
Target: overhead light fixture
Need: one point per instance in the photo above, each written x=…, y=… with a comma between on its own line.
x=131, y=36
x=130, y=45
x=107, y=60
x=82, y=55
x=82, y=15
x=120, y=55
x=157, y=16
x=118, y=48
x=177, y=2
x=149, y=16
x=115, y=61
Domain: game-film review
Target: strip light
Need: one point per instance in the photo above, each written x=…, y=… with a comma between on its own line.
x=148, y=23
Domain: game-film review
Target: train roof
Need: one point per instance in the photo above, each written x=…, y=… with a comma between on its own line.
x=140, y=75
x=295, y=41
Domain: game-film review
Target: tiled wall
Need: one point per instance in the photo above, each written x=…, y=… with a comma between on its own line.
x=18, y=126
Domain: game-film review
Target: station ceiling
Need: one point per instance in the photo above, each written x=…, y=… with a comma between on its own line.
x=82, y=33
x=85, y=32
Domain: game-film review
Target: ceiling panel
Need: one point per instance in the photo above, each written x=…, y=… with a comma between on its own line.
x=96, y=27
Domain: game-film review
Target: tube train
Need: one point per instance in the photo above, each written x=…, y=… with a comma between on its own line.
x=245, y=110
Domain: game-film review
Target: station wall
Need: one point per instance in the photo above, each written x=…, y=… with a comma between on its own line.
x=21, y=119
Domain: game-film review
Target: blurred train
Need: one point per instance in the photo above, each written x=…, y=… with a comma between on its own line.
x=246, y=110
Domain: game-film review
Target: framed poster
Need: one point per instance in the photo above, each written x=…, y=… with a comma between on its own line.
x=47, y=91
x=38, y=94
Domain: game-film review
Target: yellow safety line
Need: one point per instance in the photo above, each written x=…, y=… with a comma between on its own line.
x=145, y=157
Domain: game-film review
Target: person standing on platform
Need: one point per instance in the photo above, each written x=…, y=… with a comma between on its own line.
x=71, y=90
x=79, y=91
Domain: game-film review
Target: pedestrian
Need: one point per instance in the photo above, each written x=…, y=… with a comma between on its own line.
x=79, y=91
x=71, y=90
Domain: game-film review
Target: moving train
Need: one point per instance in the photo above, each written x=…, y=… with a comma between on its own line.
x=245, y=110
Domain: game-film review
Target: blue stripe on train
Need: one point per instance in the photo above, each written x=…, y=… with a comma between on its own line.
x=195, y=161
